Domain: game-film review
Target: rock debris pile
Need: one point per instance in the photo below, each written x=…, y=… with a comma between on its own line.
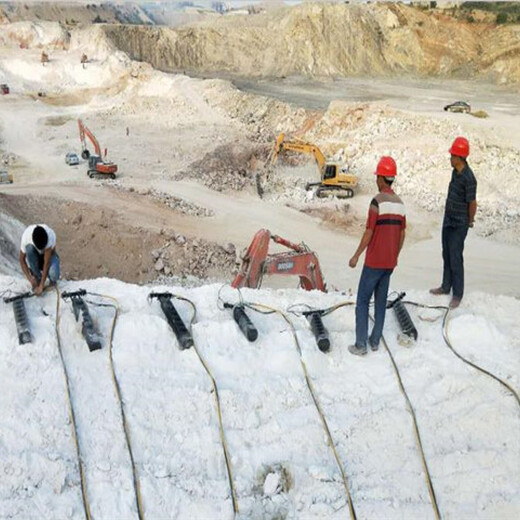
x=184, y=257
x=228, y=167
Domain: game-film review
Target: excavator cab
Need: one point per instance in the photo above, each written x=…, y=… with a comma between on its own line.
x=330, y=172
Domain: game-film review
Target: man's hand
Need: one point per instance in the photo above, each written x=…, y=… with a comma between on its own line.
x=353, y=261
x=38, y=290
x=471, y=224
x=33, y=281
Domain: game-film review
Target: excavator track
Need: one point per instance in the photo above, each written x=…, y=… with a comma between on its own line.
x=334, y=191
x=93, y=174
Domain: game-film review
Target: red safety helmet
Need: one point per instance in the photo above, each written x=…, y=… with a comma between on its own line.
x=460, y=147
x=386, y=167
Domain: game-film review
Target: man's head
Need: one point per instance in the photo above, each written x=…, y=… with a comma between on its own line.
x=40, y=237
x=386, y=171
x=459, y=152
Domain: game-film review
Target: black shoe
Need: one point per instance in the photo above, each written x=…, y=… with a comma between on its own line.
x=373, y=346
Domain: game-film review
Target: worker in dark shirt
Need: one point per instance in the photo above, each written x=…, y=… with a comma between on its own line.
x=459, y=216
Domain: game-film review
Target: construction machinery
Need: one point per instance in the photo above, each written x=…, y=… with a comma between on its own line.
x=300, y=261
x=335, y=179
x=97, y=166
x=5, y=177
x=4, y=89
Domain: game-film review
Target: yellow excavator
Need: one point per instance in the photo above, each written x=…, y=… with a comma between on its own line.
x=335, y=179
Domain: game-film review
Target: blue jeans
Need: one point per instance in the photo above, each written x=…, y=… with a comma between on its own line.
x=372, y=282
x=34, y=261
x=452, y=248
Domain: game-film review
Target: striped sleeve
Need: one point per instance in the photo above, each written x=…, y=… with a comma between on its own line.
x=373, y=213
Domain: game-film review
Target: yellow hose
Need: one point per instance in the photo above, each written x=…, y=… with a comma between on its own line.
x=117, y=389
x=72, y=415
x=223, y=441
x=331, y=443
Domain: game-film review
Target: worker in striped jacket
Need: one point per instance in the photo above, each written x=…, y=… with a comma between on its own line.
x=383, y=239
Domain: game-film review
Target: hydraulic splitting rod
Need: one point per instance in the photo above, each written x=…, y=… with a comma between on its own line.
x=403, y=317
x=20, y=316
x=243, y=321
x=179, y=328
x=79, y=306
x=318, y=329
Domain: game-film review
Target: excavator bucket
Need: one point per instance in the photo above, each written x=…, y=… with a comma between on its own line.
x=277, y=148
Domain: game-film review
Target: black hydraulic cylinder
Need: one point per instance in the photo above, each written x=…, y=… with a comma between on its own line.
x=22, y=322
x=179, y=328
x=318, y=329
x=87, y=329
x=403, y=317
x=244, y=323
x=20, y=317
x=80, y=308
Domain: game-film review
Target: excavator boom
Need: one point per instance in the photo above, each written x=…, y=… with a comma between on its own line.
x=300, y=261
x=84, y=131
x=300, y=147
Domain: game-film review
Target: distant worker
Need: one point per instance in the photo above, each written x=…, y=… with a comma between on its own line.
x=38, y=257
x=459, y=216
x=384, y=237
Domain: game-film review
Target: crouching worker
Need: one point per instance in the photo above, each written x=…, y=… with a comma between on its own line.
x=384, y=238
x=38, y=258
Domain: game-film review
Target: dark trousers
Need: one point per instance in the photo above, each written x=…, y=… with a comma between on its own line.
x=452, y=248
x=372, y=282
x=34, y=261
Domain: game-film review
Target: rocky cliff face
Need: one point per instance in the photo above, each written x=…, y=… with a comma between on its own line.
x=331, y=40
x=73, y=12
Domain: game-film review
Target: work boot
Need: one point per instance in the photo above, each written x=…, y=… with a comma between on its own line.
x=357, y=351
x=439, y=291
x=373, y=346
x=455, y=302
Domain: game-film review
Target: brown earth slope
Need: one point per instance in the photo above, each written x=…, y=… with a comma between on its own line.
x=331, y=40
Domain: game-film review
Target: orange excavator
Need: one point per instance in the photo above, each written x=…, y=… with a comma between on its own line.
x=335, y=179
x=300, y=261
x=97, y=166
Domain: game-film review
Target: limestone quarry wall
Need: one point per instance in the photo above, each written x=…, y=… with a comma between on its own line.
x=331, y=40
x=73, y=12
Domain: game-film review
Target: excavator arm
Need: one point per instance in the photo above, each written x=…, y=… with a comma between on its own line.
x=84, y=131
x=299, y=261
x=300, y=147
